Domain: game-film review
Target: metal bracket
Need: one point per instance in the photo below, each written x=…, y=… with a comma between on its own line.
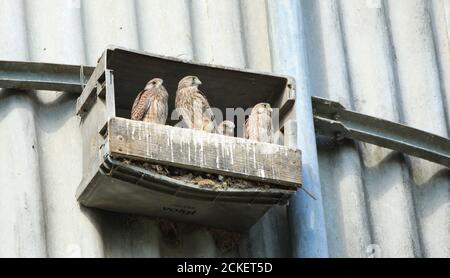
x=333, y=119
x=43, y=76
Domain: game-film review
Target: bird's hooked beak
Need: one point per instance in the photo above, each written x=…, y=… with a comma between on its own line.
x=197, y=81
x=267, y=106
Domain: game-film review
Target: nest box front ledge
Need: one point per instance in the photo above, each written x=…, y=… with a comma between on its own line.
x=276, y=165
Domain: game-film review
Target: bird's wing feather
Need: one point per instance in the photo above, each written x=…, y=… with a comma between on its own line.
x=138, y=109
x=136, y=100
x=198, y=108
x=209, y=124
x=184, y=108
x=202, y=94
x=208, y=113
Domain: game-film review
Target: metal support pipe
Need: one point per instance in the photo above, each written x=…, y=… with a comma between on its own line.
x=289, y=57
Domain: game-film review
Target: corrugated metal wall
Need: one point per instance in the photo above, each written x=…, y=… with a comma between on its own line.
x=384, y=58
x=388, y=59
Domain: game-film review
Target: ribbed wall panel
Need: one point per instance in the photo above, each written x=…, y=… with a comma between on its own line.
x=22, y=229
x=382, y=58
x=422, y=107
x=388, y=59
x=55, y=35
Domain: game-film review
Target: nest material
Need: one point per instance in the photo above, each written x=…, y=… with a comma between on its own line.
x=204, y=180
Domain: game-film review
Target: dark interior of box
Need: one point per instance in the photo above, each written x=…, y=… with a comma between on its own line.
x=224, y=88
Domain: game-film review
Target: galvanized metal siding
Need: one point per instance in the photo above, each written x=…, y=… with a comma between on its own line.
x=22, y=208
x=387, y=59
x=40, y=140
x=384, y=58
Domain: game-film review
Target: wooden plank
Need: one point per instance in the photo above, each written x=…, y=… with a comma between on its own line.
x=201, y=151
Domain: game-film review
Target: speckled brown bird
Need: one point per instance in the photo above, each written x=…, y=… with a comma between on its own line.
x=258, y=126
x=192, y=105
x=226, y=128
x=151, y=103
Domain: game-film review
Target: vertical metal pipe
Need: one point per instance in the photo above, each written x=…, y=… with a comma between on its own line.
x=289, y=57
x=348, y=228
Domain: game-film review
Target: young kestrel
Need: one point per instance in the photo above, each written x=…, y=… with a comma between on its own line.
x=258, y=126
x=151, y=103
x=193, y=106
x=226, y=128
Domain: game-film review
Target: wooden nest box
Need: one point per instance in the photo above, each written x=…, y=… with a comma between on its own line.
x=120, y=155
